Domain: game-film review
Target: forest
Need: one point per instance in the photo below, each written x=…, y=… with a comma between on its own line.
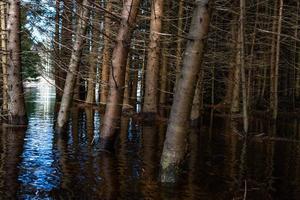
x=203, y=90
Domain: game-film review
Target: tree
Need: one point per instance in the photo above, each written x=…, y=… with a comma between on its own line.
x=113, y=110
x=16, y=102
x=152, y=69
x=73, y=67
x=29, y=57
x=175, y=142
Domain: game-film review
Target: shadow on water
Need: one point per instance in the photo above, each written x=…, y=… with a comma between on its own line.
x=37, y=163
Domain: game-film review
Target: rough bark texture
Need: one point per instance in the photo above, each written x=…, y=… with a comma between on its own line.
x=106, y=56
x=4, y=57
x=175, y=144
x=113, y=110
x=73, y=67
x=16, y=102
x=152, y=69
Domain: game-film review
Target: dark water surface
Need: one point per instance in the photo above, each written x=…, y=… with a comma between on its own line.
x=37, y=163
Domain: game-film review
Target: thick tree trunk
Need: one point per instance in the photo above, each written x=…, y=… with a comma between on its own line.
x=16, y=103
x=73, y=67
x=3, y=8
x=106, y=61
x=152, y=69
x=175, y=144
x=113, y=110
x=90, y=97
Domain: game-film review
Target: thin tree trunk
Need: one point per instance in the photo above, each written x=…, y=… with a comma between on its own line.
x=90, y=97
x=152, y=69
x=66, y=44
x=134, y=84
x=106, y=63
x=113, y=110
x=4, y=57
x=242, y=58
x=16, y=103
x=180, y=31
x=175, y=144
x=275, y=62
x=73, y=67
x=163, y=82
x=56, y=50
x=126, y=105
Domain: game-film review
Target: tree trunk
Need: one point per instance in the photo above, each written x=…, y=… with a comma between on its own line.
x=90, y=97
x=56, y=51
x=16, y=103
x=113, y=110
x=275, y=61
x=180, y=31
x=73, y=67
x=66, y=44
x=126, y=97
x=152, y=69
x=242, y=61
x=175, y=144
x=4, y=57
x=106, y=62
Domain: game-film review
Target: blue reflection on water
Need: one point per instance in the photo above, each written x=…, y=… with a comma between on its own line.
x=38, y=171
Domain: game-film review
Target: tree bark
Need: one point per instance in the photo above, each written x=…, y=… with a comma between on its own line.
x=16, y=102
x=175, y=144
x=113, y=110
x=152, y=69
x=106, y=61
x=73, y=67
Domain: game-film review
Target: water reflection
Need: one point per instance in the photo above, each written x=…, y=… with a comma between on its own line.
x=37, y=163
x=12, y=140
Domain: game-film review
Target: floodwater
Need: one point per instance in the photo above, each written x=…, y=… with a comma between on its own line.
x=37, y=163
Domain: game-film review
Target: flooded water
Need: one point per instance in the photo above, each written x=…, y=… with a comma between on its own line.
x=37, y=163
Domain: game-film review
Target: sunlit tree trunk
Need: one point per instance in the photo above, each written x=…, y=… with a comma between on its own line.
x=16, y=101
x=175, y=143
x=106, y=61
x=90, y=97
x=73, y=67
x=4, y=57
x=113, y=110
x=152, y=69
